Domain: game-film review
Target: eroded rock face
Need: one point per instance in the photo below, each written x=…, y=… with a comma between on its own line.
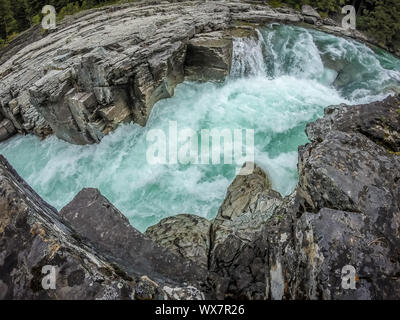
x=185, y=234
x=249, y=202
x=209, y=57
x=107, y=66
x=345, y=211
x=96, y=219
x=95, y=251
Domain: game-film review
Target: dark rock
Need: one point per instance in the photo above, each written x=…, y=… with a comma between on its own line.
x=309, y=11
x=96, y=219
x=105, y=260
x=7, y=129
x=33, y=236
x=310, y=20
x=249, y=202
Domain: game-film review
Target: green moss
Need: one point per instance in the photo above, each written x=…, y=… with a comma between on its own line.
x=275, y=3
x=323, y=15
x=394, y=153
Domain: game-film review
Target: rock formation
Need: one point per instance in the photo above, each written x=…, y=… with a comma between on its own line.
x=108, y=66
x=310, y=14
x=96, y=253
x=185, y=234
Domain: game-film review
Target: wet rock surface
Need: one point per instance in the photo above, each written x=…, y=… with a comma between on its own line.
x=185, y=234
x=107, y=66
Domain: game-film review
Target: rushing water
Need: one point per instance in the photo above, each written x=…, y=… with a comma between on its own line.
x=276, y=86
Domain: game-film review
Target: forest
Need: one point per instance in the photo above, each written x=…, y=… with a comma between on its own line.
x=379, y=19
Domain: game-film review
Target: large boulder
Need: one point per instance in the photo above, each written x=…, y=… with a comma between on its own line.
x=185, y=234
x=96, y=219
x=249, y=202
x=209, y=57
x=34, y=240
x=7, y=129
x=310, y=14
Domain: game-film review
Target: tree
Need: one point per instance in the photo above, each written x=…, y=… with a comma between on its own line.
x=8, y=24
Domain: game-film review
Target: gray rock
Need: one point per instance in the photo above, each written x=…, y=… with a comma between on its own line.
x=7, y=129
x=209, y=57
x=32, y=236
x=309, y=11
x=345, y=211
x=248, y=203
x=185, y=234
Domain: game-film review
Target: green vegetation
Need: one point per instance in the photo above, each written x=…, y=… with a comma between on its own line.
x=378, y=18
x=18, y=15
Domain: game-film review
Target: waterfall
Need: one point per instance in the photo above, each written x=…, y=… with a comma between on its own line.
x=248, y=57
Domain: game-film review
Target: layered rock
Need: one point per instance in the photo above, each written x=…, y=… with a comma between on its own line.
x=107, y=66
x=95, y=252
x=7, y=129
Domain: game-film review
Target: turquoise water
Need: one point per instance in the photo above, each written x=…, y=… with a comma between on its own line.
x=277, y=85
